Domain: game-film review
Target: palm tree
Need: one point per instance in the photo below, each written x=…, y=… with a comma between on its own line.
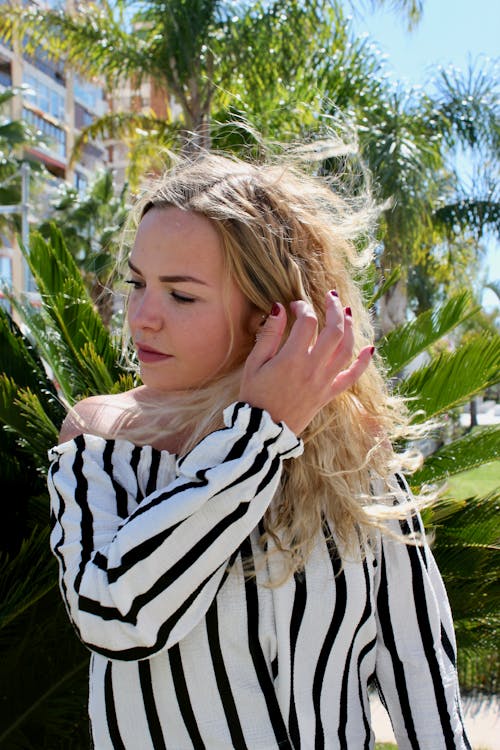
x=202, y=54
x=43, y=666
x=189, y=50
x=42, y=662
x=90, y=225
x=409, y=10
x=408, y=140
x=278, y=66
x=466, y=531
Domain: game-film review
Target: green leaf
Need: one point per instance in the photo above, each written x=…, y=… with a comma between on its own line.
x=26, y=578
x=23, y=412
x=466, y=549
x=68, y=326
x=452, y=378
x=403, y=344
x=389, y=281
x=43, y=679
x=470, y=450
x=20, y=361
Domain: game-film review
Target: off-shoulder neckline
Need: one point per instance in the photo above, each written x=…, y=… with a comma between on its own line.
x=89, y=435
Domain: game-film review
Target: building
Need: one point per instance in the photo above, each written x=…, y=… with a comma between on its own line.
x=57, y=103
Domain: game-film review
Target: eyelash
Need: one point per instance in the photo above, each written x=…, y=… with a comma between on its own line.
x=134, y=284
x=180, y=298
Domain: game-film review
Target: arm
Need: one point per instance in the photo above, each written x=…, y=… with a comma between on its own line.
x=137, y=585
x=416, y=652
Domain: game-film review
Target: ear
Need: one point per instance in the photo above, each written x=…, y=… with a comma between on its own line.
x=256, y=320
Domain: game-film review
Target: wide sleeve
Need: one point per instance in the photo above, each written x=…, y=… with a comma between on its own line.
x=416, y=653
x=136, y=585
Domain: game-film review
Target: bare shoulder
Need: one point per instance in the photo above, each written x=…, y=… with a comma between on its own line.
x=96, y=415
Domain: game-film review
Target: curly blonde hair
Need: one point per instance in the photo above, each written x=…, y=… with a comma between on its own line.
x=285, y=236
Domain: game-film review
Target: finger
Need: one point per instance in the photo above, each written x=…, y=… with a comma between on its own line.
x=269, y=336
x=333, y=332
x=347, y=378
x=344, y=351
x=305, y=329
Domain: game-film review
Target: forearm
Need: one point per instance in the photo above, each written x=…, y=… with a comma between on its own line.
x=153, y=576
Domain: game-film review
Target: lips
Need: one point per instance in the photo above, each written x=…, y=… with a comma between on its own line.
x=148, y=354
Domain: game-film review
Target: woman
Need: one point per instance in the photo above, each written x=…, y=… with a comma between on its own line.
x=235, y=547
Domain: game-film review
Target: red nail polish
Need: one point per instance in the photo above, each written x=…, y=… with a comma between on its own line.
x=334, y=293
x=275, y=310
x=372, y=349
x=348, y=312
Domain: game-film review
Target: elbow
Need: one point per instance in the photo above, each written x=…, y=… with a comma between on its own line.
x=117, y=640
x=112, y=634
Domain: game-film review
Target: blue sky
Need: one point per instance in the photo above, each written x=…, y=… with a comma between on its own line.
x=451, y=32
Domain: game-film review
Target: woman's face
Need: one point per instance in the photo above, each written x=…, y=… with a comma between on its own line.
x=177, y=315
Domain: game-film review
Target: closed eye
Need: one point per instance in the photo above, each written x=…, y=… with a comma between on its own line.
x=134, y=284
x=177, y=296
x=181, y=298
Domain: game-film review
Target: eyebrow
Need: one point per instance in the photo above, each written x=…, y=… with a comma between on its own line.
x=175, y=279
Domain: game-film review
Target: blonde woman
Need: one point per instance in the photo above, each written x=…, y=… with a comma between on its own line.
x=236, y=547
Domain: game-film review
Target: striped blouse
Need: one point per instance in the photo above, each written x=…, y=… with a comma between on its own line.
x=188, y=652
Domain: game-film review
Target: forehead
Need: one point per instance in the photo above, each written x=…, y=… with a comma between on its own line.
x=170, y=236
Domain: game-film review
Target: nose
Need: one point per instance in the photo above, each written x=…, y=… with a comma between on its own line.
x=145, y=311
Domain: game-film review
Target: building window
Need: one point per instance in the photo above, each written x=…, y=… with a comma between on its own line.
x=44, y=97
x=88, y=94
x=55, y=136
x=81, y=182
x=83, y=118
x=40, y=60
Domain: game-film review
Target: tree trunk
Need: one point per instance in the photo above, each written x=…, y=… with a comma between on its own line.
x=392, y=308
x=196, y=111
x=473, y=413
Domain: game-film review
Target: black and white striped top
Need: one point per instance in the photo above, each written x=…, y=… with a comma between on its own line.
x=187, y=652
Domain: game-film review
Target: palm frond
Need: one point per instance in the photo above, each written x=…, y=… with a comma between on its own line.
x=68, y=325
x=92, y=41
x=466, y=550
x=411, y=10
x=41, y=432
x=26, y=578
x=17, y=359
x=469, y=451
x=469, y=105
x=43, y=693
x=389, y=281
x=50, y=342
x=472, y=522
x=134, y=128
x=29, y=403
x=23, y=414
x=470, y=213
x=403, y=344
x=452, y=378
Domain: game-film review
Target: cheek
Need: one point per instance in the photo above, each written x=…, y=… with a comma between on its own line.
x=214, y=336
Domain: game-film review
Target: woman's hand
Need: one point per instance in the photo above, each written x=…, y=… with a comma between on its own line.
x=293, y=383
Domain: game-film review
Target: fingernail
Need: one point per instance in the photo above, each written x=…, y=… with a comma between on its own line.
x=372, y=349
x=333, y=292
x=348, y=312
x=275, y=310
